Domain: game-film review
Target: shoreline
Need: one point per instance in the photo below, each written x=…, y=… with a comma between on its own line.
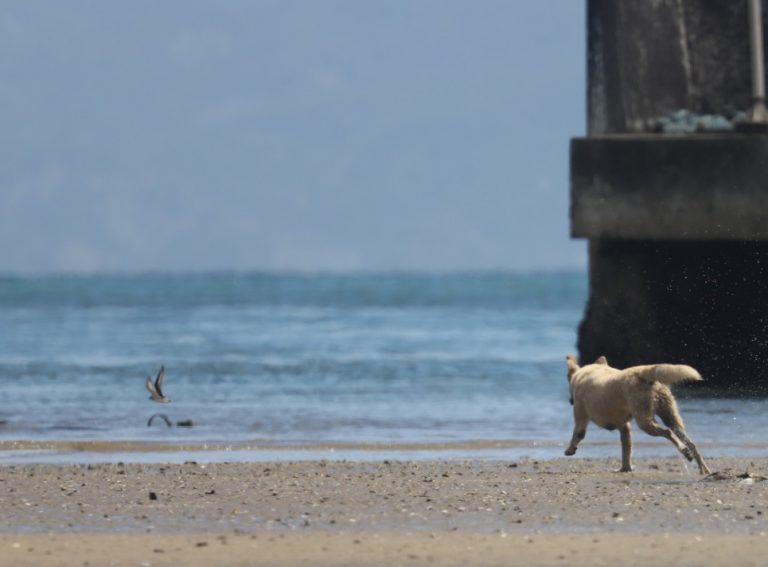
x=169, y=446
x=256, y=445
x=165, y=451
x=384, y=512
x=27, y=452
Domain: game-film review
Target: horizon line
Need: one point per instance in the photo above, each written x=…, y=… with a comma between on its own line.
x=324, y=272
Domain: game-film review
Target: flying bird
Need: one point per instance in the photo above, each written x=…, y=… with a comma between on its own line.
x=156, y=389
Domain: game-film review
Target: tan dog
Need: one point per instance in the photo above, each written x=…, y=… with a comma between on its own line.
x=611, y=398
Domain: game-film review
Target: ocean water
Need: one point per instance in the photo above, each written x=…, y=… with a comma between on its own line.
x=267, y=364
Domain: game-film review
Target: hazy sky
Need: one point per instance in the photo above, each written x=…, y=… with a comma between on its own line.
x=288, y=135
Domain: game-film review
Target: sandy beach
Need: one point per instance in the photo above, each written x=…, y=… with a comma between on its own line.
x=555, y=512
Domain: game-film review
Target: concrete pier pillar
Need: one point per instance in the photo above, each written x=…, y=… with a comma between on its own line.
x=677, y=223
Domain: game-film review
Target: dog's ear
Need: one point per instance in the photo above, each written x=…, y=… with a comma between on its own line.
x=602, y=360
x=573, y=366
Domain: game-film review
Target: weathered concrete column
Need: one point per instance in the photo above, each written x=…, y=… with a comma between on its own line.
x=677, y=225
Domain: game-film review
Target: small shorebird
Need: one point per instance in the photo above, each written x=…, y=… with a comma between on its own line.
x=156, y=389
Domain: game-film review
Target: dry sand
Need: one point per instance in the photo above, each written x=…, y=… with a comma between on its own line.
x=559, y=512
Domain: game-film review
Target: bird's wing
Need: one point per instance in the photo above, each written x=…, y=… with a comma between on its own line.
x=159, y=381
x=151, y=387
x=161, y=416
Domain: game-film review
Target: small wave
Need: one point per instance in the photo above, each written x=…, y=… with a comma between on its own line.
x=75, y=427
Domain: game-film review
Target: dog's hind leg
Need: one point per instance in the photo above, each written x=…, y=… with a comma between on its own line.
x=666, y=409
x=626, y=447
x=647, y=424
x=645, y=407
x=703, y=468
x=579, y=429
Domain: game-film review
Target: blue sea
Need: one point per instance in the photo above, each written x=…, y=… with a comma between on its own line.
x=313, y=366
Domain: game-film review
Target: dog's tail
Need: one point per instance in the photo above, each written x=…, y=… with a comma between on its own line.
x=670, y=374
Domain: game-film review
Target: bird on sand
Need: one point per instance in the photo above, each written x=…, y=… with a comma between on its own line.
x=156, y=389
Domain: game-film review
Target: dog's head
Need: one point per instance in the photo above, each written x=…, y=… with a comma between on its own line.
x=573, y=366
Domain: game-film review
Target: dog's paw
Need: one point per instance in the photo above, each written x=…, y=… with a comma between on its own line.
x=625, y=469
x=687, y=454
x=570, y=451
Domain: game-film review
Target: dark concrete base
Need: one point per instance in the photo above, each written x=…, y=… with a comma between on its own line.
x=702, y=303
x=655, y=187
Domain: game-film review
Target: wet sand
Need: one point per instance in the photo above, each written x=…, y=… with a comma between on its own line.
x=557, y=512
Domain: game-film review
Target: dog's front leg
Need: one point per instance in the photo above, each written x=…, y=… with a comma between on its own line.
x=579, y=429
x=626, y=447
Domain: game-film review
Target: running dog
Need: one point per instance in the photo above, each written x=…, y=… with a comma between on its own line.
x=611, y=398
